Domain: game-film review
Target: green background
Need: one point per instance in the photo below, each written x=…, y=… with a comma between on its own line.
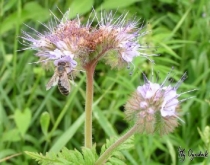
x=33, y=119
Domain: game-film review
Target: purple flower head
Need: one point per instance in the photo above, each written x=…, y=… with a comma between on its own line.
x=114, y=40
x=61, y=41
x=120, y=38
x=155, y=107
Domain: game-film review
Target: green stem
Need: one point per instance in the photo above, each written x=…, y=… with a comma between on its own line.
x=88, y=105
x=103, y=158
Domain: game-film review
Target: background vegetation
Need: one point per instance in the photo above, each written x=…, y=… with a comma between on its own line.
x=179, y=29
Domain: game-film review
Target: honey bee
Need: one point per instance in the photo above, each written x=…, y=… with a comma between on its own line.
x=60, y=78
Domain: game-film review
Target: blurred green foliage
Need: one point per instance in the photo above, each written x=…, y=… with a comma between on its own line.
x=33, y=119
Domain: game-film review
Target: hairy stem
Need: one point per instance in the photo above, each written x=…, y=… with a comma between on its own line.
x=103, y=158
x=90, y=68
x=88, y=105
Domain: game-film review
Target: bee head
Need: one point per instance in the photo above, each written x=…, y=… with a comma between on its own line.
x=61, y=63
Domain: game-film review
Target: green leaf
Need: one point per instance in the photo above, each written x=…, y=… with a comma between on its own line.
x=68, y=134
x=116, y=161
x=70, y=157
x=8, y=5
x=104, y=123
x=22, y=120
x=119, y=155
x=79, y=157
x=110, y=4
x=49, y=158
x=205, y=135
x=171, y=151
x=31, y=10
x=45, y=121
x=116, y=156
x=88, y=155
x=12, y=135
x=166, y=1
x=38, y=13
x=80, y=7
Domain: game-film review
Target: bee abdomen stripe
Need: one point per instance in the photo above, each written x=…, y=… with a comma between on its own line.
x=62, y=89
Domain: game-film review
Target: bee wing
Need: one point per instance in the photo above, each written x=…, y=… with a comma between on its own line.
x=65, y=81
x=53, y=81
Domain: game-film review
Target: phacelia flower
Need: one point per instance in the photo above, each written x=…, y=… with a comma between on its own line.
x=59, y=43
x=121, y=38
x=155, y=107
x=115, y=39
x=80, y=45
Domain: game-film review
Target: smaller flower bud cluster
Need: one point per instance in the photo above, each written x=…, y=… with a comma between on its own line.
x=155, y=107
x=121, y=37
